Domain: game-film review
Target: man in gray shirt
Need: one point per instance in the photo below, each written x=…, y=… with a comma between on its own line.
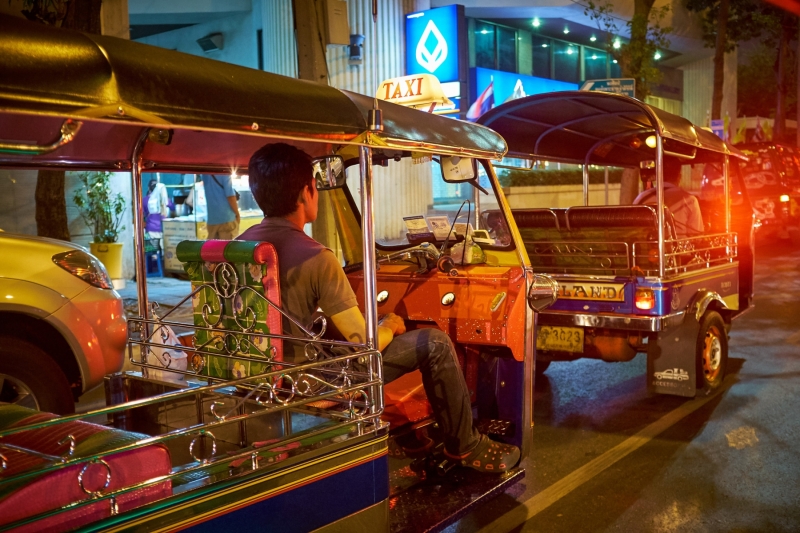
x=311, y=277
x=685, y=208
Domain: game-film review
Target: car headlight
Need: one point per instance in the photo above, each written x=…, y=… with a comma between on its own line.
x=85, y=266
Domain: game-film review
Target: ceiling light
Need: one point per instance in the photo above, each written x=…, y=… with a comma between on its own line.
x=657, y=56
x=536, y=22
x=566, y=30
x=614, y=61
x=544, y=45
x=616, y=43
x=594, y=56
x=484, y=32
x=593, y=38
x=569, y=51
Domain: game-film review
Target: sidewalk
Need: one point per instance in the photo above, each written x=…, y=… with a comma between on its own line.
x=167, y=292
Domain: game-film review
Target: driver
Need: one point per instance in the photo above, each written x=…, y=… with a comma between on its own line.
x=684, y=207
x=311, y=277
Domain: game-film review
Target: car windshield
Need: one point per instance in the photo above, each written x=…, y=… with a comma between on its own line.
x=413, y=202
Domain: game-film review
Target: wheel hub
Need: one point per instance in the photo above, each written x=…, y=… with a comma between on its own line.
x=712, y=355
x=14, y=391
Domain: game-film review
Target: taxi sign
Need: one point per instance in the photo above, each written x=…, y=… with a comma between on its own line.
x=420, y=91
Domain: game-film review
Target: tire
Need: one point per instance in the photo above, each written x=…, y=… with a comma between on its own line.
x=29, y=377
x=712, y=352
x=541, y=367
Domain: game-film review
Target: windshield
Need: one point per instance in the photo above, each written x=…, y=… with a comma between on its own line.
x=413, y=204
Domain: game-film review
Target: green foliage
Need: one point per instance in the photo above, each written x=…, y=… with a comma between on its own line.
x=636, y=58
x=572, y=176
x=757, y=84
x=99, y=207
x=747, y=19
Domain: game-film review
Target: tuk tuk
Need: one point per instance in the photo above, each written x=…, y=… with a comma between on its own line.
x=631, y=278
x=219, y=428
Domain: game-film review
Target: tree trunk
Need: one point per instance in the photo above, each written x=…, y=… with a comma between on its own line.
x=51, y=205
x=779, y=130
x=635, y=59
x=719, y=59
x=308, y=23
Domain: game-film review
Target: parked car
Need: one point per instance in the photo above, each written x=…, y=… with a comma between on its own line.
x=772, y=178
x=62, y=325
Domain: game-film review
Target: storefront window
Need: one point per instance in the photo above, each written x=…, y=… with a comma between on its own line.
x=594, y=64
x=614, y=69
x=565, y=58
x=507, y=47
x=484, y=45
x=541, y=56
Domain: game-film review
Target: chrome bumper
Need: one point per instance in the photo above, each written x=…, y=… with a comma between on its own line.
x=632, y=323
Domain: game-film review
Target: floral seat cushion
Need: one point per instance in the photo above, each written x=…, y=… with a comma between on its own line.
x=232, y=285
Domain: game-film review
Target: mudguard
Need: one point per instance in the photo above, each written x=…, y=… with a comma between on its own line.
x=671, y=355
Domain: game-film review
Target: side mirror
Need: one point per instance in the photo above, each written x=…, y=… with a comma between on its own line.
x=543, y=292
x=328, y=172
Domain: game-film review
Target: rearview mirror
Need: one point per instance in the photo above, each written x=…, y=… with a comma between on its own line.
x=328, y=172
x=457, y=169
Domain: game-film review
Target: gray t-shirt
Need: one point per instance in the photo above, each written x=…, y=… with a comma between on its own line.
x=311, y=277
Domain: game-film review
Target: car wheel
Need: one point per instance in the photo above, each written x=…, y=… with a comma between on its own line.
x=541, y=367
x=31, y=378
x=712, y=352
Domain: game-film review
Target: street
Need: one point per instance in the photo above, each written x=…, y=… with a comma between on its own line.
x=606, y=457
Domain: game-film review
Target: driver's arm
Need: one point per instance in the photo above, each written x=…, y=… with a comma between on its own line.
x=352, y=326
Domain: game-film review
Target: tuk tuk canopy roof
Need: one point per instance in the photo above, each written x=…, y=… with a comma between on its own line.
x=597, y=128
x=216, y=111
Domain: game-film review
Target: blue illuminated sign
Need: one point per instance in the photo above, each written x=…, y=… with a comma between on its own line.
x=508, y=85
x=432, y=43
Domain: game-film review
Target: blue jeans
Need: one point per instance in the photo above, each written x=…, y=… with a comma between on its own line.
x=431, y=351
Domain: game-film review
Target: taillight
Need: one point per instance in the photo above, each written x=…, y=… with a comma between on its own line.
x=645, y=299
x=84, y=266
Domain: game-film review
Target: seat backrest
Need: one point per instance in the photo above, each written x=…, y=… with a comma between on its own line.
x=231, y=282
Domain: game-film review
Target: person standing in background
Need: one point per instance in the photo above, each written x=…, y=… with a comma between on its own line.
x=222, y=219
x=157, y=204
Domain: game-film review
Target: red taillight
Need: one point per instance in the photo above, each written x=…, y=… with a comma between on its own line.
x=645, y=299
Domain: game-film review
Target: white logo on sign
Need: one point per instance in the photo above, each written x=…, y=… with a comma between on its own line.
x=430, y=61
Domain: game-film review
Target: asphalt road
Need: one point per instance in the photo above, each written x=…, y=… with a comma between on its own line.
x=607, y=457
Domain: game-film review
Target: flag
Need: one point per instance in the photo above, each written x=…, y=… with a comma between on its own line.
x=483, y=104
x=519, y=91
x=741, y=131
x=726, y=132
x=759, y=133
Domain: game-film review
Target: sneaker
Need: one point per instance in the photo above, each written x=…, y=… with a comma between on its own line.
x=488, y=456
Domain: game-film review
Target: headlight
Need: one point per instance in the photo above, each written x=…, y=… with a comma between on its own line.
x=784, y=197
x=85, y=266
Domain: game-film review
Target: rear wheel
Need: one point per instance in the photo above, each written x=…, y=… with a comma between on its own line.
x=31, y=378
x=712, y=352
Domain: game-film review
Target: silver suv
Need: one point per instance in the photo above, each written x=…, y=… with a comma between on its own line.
x=62, y=325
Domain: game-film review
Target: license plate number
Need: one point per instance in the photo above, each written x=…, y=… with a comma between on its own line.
x=560, y=339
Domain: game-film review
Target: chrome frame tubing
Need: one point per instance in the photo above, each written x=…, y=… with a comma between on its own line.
x=660, y=201
x=138, y=237
x=727, y=192
x=370, y=282
x=586, y=183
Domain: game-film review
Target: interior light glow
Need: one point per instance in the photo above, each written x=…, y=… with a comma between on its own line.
x=617, y=44
x=569, y=51
x=544, y=45
x=536, y=22
x=594, y=56
x=593, y=38
x=657, y=56
x=650, y=141
x=566, y=30
x=484, y=32
x=614, y=61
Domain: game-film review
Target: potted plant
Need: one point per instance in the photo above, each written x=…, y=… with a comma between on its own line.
x=102, y=210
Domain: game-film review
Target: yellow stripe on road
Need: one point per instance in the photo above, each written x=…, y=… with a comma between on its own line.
x=541, y=501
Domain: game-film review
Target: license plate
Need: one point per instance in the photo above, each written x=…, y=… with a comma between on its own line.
x=559, y=339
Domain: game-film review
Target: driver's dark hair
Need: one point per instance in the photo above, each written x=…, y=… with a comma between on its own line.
x=278, y=173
